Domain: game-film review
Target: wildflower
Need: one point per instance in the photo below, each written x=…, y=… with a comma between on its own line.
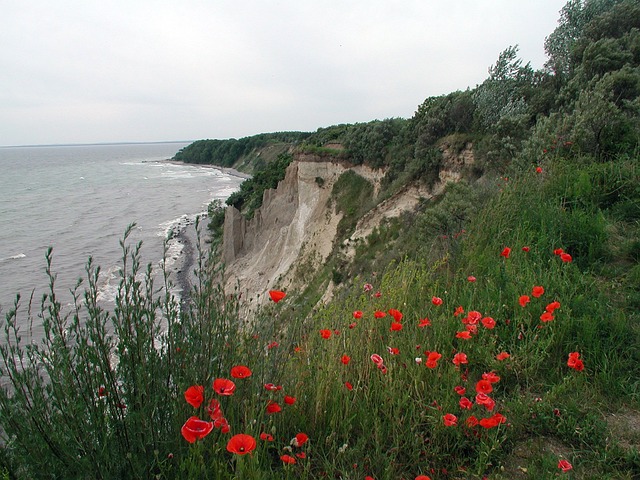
x=564, y=465
x=450, y=420
x=558, y=251
x=299, y=440
x=460, y=390
x=566, y=258
x=486, y=400
x=368, y=287
x=240, y=371
x=393, y=351
x=424, y=322
x=194, y=429
x=552, y=306
x=273, y=407
x=505, y=252
x=471, y=278
x=102, y=392
x=397, y=315
x=222, y=424
x=422, y=477
x=272, y=345
x=377, y=294
x=395, y=327
x=326, y=334
x=432, y=359
x=345, y=359
x=301, y=455
x=537, y=291
x=271, y=387
x=194, y=395
x=266, y=437
x=458, y=311
x=575, y=362
x=484, y=386
x=546, y=317
x=525, y=249
x=214, y=410
x=289, y=400
x=472, y=421
x=472, y=318
x=465, y=335
x=465, y=403
x=222, y=386
x=502, y=356
x=241, y=444
x=418, y=360
x=276, y=295
x=538, y=169
x=488, y=323
x=459, y=358
x=523, y=300
x=379, y=314
x=377, y=359
x=491, y=377
x=357, y=314
x=348, y=386
x=288, y=459
x=437, y=301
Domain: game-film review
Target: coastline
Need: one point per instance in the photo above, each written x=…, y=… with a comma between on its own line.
x=226, y=170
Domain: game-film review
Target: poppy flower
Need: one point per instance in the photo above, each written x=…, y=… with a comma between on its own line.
x=523, y=300
x=558, y=251
x=222, y=424
x=450, y=420
x=194, y=395
x=566, y=258
x=484, y=386
x=505, y=252
x=472, y=318
x=491, y=377
x=225, y=387
x=301, y=455
x=276, y=295
x=357, y=314
x=194, y=429
x=395, y=327
x=502, y=356
x=488, y=422
x=267, y=437
x=575, y=362
x=326, y=334
x=393, y=351
x=525, y=249
x=396, y=314
x=288, y=459
x=472, y=421
x=300, y=439
x=437, y=301
x=458, y=311
x=345, y=359
x=422, y=477
x=460, y=390
x=465, y=335
x=538, y=169
x=564, y=465
x=471, y=278
x=348, y=386
x=424, y=322
x=289, y=400
x=102, y=392
x=537, y=291
x=367, y=287
x=273, y=407
x=459, y=358
x=486, y=400
x=214, y=410
x=272, y=345
x=488, y=323
x=546, y=317
x=377, y=359
x=552, y=307
x=432, y=359
x=465, y=403
x=271, y=387
x=379, y=314
x=240, y=371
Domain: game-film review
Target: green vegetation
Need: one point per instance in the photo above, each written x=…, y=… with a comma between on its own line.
x=521, y=287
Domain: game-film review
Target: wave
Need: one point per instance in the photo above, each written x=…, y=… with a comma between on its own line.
x=13, y=257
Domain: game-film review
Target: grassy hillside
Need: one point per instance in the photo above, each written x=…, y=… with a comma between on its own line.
x=492, y=334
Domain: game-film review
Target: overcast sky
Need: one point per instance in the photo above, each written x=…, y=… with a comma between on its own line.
x=84, y=71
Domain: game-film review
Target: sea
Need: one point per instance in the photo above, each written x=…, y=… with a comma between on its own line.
x=80, y=199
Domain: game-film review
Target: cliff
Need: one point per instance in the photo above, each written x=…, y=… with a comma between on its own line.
x=293, y=233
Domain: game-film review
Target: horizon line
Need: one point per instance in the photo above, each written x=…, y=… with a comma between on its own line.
x=94, y=144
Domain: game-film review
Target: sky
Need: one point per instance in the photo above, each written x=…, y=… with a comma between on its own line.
x=86, y=71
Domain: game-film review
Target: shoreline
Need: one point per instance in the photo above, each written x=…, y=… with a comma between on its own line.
x=226, y=170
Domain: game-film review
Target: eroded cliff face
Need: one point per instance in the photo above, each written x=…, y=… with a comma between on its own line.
x=294, y=230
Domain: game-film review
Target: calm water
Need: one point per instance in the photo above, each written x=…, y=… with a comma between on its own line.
x=80, y=199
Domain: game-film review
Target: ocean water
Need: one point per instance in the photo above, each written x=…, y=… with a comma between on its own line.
x=80, y=199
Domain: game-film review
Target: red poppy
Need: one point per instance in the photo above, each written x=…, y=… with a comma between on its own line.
x=301, y=455
x=459, y=358
x=486, y=400
x=240, y=371
x=222, y=424
x=450, y=420
x=491, y=377
x=194, y=395
x=422, y=477
x=379, y=314
x=523, y=300
x=471, y=278
x=300, y=439
x=352, y=325
x=472, y=318
x=437, y=301
x=525, y=249
x=194, y=428
x=558, y=251
x=552, y=306
x=460, y=390
x=465, y=335
x=288, y=459
x=289, y=400
x=538, y=169
x=465, y=403
x=488, y=323
x=214, y=410
x=272, y=345
x=276, y=295
x=102, y=392
x=505, y=252
x=484, y=386
x=348, y=386
x=537, y=291
x=564, y=465
x=424, y=322
x=271, y=387
x=325, y=334
x=241, y=444
x=273, y=407
x=488, y=422
x=502, y=356
x=472, y=421
x=345, y=359
x=222, y=386
x=397, y=315
x=575, y=362
x=458, y=311
x=432, y=359
x=393, y=350
x=267, y=437
x=566, y=258
x=395, y=327
x=357, y=314
x=377, y=359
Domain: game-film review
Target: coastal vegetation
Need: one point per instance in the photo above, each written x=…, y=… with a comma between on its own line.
x=491, y=334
